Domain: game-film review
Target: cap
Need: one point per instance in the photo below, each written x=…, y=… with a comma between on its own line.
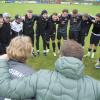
x=5, y=15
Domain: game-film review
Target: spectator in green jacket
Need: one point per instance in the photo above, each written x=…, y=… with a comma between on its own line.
x=66, y=82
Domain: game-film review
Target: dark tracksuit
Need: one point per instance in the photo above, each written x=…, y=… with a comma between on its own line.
x=95, y=35
x=28, y=25
x=62, y=27
x=51, y=29
x=51, y=32
x=17, y=70
x=75, y=26
x=85, y=27
x=41, y=25
x=5, y=37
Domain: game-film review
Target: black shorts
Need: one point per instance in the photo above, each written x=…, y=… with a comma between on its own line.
x=94, y=39
x=61, y=35
x=50, y=36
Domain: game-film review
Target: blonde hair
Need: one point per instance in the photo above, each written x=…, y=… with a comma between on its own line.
x=20, y=48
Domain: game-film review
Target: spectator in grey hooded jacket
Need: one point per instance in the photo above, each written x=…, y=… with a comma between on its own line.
x=18, y=54
x=66, y=82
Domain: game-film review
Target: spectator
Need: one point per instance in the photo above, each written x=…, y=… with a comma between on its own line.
x=65, y=82
x=18, y=54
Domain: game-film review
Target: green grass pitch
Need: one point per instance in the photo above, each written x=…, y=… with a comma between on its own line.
x=48, y=62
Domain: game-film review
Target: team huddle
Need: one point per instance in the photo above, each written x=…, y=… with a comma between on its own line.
x=67, y=81
x=50, y=27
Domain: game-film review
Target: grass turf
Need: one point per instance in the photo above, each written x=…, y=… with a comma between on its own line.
x=48, y=62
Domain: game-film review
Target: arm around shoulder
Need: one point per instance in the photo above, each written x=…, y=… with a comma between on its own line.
x=98, y=90
x=21, y=88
